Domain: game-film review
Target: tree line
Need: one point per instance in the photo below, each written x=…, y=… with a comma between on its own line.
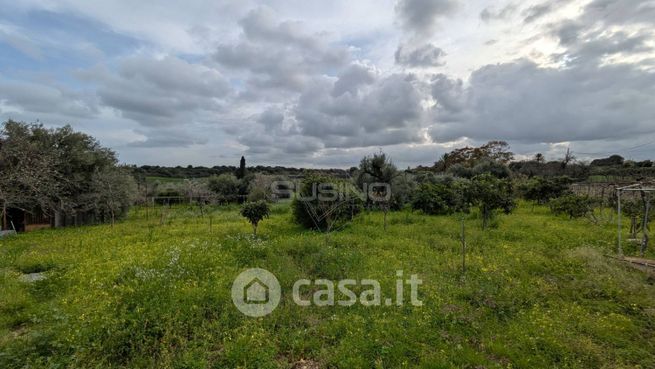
x=63, y=174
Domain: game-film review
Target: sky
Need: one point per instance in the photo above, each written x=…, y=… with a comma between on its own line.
x=310, y=83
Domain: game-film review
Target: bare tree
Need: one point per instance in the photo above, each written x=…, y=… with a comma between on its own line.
x=568, y=158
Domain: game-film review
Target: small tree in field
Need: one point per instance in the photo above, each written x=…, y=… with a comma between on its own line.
x=572, y=205
x=490, y=194
x=379, y=168
x=255, y=212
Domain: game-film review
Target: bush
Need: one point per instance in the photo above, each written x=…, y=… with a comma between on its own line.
x=541, y=190
x=324, y=202
x=255, y=212
x=225, y=186
x=490, y=194
x=574, y=206
x=447, y=196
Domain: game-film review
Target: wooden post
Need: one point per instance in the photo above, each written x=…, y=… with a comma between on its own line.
x=619, y=225
x=463, y=247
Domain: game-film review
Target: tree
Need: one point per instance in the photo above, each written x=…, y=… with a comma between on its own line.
x=490, y=194
x=28, y=161
x=255, y=212
x=568, y=158
x=447, y=195
x=539, y=158
x=51, y=170
x=634, y=211
x=113, y=191
x=225, y=186
x=378, y=169
x=541, y=190
x=575, y=206
x=497, y=151
x=241, y=172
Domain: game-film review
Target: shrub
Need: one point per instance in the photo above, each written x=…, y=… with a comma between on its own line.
x=490, y=194
x=226, y=187
x=255, y=212
x=574, y=206
x=541, y=190
x=324, y=202
x=447, y=196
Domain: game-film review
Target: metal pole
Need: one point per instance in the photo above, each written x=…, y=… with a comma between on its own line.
x=619, y=225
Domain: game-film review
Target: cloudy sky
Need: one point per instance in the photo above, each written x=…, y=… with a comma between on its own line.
x=322, y=83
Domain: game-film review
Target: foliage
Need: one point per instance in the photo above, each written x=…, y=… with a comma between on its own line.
x=378, y=169
x=260, y=188
x=443, y=198
x=324, y=203
x=225, y=186
x=539, y=293
x=113, y=191
x=541, y=190
x=468, y=157
x=613, y=160
x=497, y=169
x=402, y=190
x=255, y=212
x=241, y=172
x=490, y=194
x=575, y=206
x=54, y=171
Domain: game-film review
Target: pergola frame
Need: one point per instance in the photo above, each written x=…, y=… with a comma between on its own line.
x=637, y=187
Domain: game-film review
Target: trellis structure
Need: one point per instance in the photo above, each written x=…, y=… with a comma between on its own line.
x=637, y=187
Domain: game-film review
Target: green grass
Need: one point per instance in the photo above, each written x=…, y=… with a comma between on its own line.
x=538, y=293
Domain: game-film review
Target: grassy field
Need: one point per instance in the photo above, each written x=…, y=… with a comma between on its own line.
x=538, y=293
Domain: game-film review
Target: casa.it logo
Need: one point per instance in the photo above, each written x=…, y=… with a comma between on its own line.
x=256, y=292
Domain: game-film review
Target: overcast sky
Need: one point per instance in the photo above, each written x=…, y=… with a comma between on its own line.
x=323, y=83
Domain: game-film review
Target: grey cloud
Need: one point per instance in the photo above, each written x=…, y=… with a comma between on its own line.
x=385, y=109
x=424, y=56
x=162, y=92
x=521, y=101
x=44, y=98
x=352, y=78
x=620, y=12
x=421, y=16
x=272, y=119
x=280, y=55
x=167, y=138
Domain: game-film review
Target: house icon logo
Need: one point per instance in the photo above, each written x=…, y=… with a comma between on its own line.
x=256, y=292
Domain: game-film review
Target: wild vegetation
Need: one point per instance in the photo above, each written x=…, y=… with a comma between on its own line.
x=538, y=293
x=515, y=265
x=60, y=173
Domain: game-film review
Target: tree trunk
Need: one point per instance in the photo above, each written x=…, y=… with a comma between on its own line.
x=386, y=210
x=633, y=227
x=254, y=229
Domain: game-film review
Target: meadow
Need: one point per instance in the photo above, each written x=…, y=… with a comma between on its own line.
x=154, y=292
